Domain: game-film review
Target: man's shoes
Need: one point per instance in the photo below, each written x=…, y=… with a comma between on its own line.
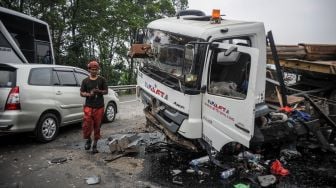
x=87, y=144
x=94, y=149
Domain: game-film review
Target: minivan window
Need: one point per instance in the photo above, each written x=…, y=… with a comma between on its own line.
x=3, y=41
x=55, y=79
x=7, y=78
x=40, y=76
x=67, y=78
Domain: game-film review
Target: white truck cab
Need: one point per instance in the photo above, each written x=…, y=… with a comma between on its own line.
x=203, y=78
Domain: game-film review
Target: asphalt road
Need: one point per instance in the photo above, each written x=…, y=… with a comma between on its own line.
x=27, y=163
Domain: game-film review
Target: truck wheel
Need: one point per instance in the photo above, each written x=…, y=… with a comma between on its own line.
x=110, y=112
x=47, y=127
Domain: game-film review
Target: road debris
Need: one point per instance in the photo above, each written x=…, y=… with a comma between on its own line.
x=241, y=185
x=175, y=172
x=249, y=156
x=199, y=161
x=177, y=180
x=290, y=154
x=130, y=142
x=227, y=173
x=278, y=169
x=92, y=180
x=190, y=171
x=58, y=160
x=124, y=143
x=266, y=180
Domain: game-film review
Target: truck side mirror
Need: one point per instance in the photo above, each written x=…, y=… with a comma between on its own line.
x=228, y=58
x=230, y=50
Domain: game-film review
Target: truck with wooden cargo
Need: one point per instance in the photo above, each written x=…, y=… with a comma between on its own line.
x=208, y=83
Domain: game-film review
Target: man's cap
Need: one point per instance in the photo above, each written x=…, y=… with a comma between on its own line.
x=93, y=64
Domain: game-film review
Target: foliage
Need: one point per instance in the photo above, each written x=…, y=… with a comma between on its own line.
x=103, y=30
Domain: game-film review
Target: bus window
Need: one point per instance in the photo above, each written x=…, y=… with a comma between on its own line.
x=41, y=32
x=43, y=55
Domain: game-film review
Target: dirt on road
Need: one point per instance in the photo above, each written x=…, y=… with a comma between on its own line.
x=27, y=163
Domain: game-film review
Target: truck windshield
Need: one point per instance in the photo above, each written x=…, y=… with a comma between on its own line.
x=168, y=56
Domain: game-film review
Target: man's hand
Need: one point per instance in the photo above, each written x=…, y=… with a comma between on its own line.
x=95, y=91
x=86, y=94
x=98, y=91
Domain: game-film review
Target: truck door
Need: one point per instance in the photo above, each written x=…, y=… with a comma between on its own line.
x=228, y=104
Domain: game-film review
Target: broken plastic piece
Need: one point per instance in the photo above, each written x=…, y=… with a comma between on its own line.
x=241, y=185
x=93, y=180
x=249, y=156
x=278, y=169
x=199, y=161
x=175, y=172
x=227, y=173
x=177, y=180
x=301, y=115
x=266, y=180
x=190, y=171
x=290, y=154
x=277, y=117
x=286, y=109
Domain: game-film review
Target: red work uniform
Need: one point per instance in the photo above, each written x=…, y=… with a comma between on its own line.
x=94, y=107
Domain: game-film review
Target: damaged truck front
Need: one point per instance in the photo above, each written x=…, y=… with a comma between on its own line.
x=202, y=80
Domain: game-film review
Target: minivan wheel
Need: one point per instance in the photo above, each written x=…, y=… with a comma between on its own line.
x=47, y=128
x=110, y=112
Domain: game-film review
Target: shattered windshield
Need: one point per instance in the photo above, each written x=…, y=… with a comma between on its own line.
x=168, y=53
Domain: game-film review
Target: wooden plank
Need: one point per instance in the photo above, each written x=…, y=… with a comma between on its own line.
x=288, y=51
x=320, y=48
x=325, y=67
x=291, y=100
x=310, y=52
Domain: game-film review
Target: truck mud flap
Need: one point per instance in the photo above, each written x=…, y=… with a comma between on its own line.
x=172, y=136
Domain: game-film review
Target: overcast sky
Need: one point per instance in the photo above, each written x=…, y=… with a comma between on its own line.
x=291, y=21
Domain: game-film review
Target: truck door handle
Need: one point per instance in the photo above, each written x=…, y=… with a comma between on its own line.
x=58, y=93
x=241, y=128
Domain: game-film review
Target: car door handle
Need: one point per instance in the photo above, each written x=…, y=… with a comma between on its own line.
x=58, y=93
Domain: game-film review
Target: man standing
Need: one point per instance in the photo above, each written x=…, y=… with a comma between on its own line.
x=93, y=88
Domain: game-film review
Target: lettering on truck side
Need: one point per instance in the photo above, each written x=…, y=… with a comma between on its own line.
x=155, y=90
x=222, y=110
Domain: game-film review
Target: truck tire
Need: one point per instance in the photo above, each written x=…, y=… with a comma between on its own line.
x=47, y=127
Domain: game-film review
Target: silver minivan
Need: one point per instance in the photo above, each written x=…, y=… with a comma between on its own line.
x=42, y=98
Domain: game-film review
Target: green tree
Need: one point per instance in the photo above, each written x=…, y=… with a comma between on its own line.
x=82, y=30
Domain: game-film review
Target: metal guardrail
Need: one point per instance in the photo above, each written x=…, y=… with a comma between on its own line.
x=122, y=87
